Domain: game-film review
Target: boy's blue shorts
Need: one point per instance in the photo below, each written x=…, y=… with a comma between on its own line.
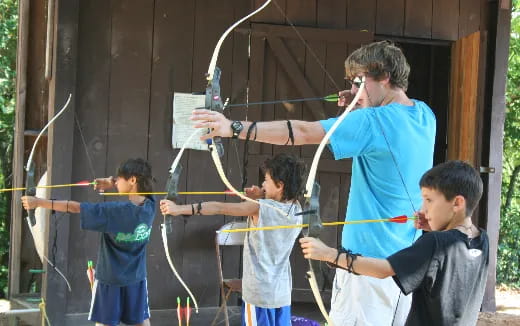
x=256, y=316
x=112, y=304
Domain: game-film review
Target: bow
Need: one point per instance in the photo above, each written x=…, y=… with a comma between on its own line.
x=312, y=206
x=214, y=103
x=30, y=186
x=172, y=191
x=216, y=148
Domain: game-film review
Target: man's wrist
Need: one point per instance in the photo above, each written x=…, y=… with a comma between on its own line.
x=236, y=128
x=331, y=256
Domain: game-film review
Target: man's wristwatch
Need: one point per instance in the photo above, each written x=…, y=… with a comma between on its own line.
x=236, y=128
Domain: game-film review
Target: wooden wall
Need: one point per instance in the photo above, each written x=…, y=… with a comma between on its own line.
x=421, y=19
x=132, y=60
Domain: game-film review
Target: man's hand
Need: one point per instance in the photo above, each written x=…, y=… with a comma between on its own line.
x=255, y=192
x=215, y=121
x=421, y=222
x=345, y=97
x=313, y=248
x=102, y=184
x=169, y=208
x=29, y=202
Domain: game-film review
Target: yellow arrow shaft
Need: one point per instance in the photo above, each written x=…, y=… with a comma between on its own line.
x=49, y=186
x=294, y=226
x=165, y=193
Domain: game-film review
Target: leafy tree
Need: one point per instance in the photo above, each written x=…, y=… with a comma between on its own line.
x=8, y=40
x=508, y=265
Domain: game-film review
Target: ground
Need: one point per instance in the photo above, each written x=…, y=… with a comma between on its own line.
x=508, y=309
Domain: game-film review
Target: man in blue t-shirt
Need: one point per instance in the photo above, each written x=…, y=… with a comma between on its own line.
x=390, y=138
x=120, y=292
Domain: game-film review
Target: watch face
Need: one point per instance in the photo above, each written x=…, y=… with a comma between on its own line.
x=237, y=126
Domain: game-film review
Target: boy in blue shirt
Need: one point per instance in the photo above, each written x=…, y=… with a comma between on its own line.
x=120, y=291
x=446, y=268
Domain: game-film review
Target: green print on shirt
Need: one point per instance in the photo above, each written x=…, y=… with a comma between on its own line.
x=141, y=233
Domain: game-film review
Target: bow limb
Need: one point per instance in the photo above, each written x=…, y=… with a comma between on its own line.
x=312, y=205
x=312, y=218
x=29, y=160
x=172, y=190
x=214, y=57
x=218, y=166
x=29, y=167
x=174, y=270
x=30, y=185
x=315, y=161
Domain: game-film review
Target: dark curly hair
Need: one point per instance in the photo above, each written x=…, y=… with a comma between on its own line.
x=379, y=60
x=140, y=169
x=288, y=169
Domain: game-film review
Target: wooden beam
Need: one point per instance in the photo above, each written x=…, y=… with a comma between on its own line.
x=496, y=120
x=462, y=125
x=296, y=75
x=19, y=144
x=59, y=157
x=310, y=33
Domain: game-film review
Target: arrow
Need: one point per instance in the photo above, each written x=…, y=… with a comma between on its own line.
x=397, y=219
x=227, y=192
x=328, y=98
x=179, y=311
x=188, y=311
x=90, y=269
x=84, y=183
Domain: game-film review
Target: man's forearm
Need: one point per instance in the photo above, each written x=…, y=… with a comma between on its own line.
x=277, y=132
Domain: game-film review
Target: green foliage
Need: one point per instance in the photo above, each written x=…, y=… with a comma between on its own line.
x=508, y=264
x=8, y=41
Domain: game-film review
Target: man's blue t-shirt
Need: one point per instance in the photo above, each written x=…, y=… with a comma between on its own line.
x=125, y=231
x=376, y=189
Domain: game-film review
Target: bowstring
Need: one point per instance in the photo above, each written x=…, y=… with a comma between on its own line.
x=82, y=136
x=394, y=159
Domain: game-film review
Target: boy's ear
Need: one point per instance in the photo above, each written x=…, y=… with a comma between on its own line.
x=133, y=180
x=459, y=204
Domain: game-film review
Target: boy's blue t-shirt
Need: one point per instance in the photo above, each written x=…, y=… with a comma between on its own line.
x=125, y=231
x=376, y=190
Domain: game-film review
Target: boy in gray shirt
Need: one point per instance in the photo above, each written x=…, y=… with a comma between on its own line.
x=266, y=281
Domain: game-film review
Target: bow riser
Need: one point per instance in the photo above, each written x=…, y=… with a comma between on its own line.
x=30, y=191
x=213, y=102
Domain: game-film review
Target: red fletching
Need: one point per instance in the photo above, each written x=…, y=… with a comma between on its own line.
x=83, y=183
x=399, y=219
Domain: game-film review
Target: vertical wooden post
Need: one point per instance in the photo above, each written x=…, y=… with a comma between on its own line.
x=18, y=152
x=59, y=158
x=496, y=133
x=462, y=118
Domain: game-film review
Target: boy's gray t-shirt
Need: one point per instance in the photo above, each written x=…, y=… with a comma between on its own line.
x=267, y=280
